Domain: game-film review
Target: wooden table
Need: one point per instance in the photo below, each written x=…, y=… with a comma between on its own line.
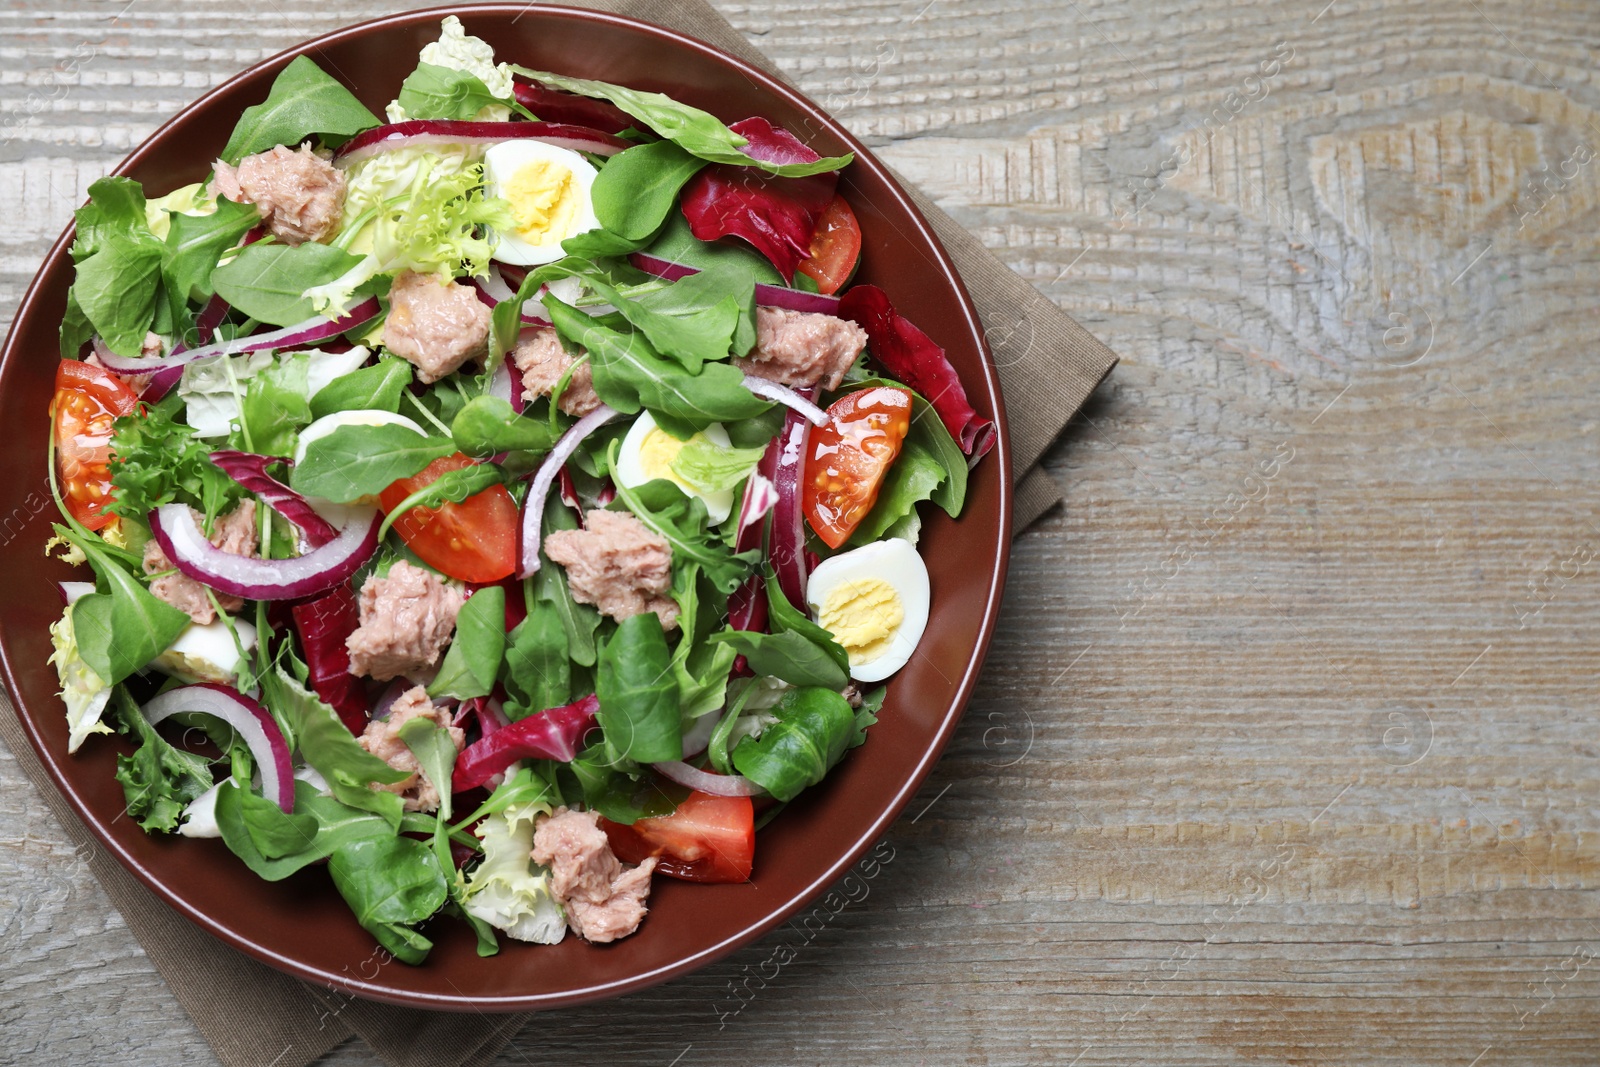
x=1286, y=752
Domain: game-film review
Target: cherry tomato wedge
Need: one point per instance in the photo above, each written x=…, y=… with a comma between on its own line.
x=835, y=247
x=707, y=839
x=849, y=458
x=475, y=540
x=87, y=399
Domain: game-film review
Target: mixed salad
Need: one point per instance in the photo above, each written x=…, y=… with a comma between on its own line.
x=504, y=502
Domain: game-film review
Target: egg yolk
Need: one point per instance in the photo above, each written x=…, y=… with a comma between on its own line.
x=656, y=453
x=863, y=615
x=544, y=201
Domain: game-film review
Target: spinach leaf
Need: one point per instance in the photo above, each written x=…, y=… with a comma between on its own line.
x=814, y=729
x=303, y=101
x=336, y=824
x=473, y=660
x=580, y=621
x=391, y=884
x=699, y=667
x=275, y=408
x=269, y=281
x=679, y=244
x=789, y=655
x=158, y=780
x=538, y=671
x=125, y=627
x=357, y=461
x=374, y=388
x=633, y=195
x=196, y=242
x=784, y=618
x=431, y=92
x=486, y=425
x=638, y=696
x=618, y=790
x=116, y=290
x=450, y=487
x=327, y=744
x=697, y=132
x=630, y=374
x=681, y=519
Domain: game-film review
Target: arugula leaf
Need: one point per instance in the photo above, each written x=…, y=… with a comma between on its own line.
x=374, y=388
x=357, y=461
x=391, y=884
x=784, y=618
x=472, y=662
x=116, y=207
x=268, y=281
x=681, y=519
x=450, y=487
x=432, y=92
x=638, y=696
x=116, y=290
x=158, y=780
x=157, y=460
x=711, y=468
x=275, y=408
x=630, y=374
x=330, y=748
x=486, y=425
x=196, y=242
x=692, y=320
x=436, y=754
x=697, y=132
x=815, y=727
x=580, y=621
x=538, y=669
x=633, y=195
x=789, y=655
x=304, y=100
x=120, y=630
x=335, y=824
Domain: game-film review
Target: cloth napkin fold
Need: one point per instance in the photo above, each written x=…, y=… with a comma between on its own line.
x=252, y=1014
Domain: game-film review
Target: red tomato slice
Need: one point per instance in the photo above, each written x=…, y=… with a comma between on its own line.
x=707, y=839
x=87, y=399
x=475, y=540
x=849, y=458
x=835, y=247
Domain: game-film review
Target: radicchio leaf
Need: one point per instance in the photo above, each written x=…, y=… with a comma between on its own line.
x=556, y=734
x=323, y=624
x=557, y=105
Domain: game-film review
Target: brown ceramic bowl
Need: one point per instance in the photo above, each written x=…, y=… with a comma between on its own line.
x=301, y=925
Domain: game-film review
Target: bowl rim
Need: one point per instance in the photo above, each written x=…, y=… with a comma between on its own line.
x=840, y=864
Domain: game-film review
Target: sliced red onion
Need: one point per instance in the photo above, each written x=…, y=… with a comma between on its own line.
x=320, y=569
x=718, y=785
x=250, y=471
x=252, y=722
x=699, y=735
x=786, y=547
x=391, y=692
x=787, y=397
x=569, y=493
x=506, y=384
x=495, y=285
x=71, y=591
x=777, y=296
x=162, y=382
x=481, y=291
x=417, y=132
x=747, y=605
x=303, y=333
x=533, y=507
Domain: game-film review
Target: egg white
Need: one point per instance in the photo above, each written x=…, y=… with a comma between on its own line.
x=359, y=417
x=631, y=471
x=501, y=163
x=896, y=562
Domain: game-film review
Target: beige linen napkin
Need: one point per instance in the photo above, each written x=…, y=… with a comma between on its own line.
x=252, y=1014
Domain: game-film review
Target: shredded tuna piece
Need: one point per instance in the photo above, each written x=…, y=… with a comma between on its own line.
x=406, y=619
x=603, y=899
x=436, y=326
x=300, y=195
x=542, y=361
x=618, y=564
x=234, y=532
x=802, y=348
x=382, y=739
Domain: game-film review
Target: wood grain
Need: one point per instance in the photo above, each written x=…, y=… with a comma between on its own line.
x=1286, y=752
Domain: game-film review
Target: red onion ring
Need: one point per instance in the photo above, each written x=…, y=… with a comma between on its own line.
x=308, y=332
x=71, y=591
x=718, y=785
x=698, y=737
x=320, y=569
x=533, y=507
x=787, y=397
x=396, y=135
x=250, y=471
x=787, y=546
x=253, y=723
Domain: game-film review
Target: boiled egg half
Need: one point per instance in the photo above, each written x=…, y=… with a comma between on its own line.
x=874, y=601
x=551, y=193
x=647, y=453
